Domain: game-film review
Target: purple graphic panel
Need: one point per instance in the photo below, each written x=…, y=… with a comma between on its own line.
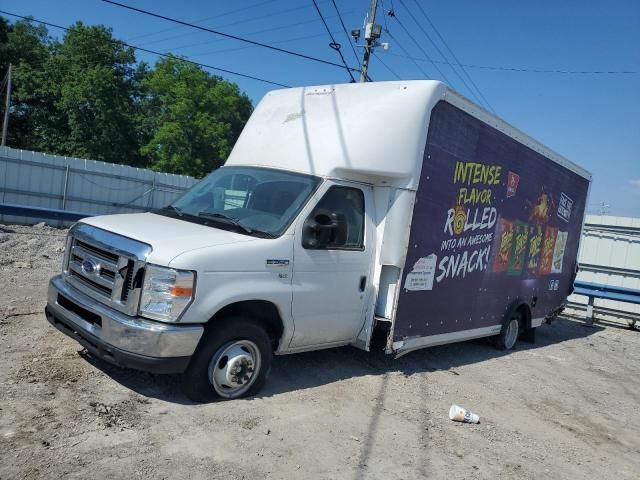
x=494, y=221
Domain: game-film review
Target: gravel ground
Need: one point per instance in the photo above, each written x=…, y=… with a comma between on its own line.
x=564, y=407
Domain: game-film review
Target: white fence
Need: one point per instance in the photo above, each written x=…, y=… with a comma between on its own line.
x=609, y=255
x=85, y=186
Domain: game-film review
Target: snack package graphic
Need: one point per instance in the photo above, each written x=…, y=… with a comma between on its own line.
x=520, y=236
x=548, y=246
x=558, y=252
x=504, y=246
x=535, y=247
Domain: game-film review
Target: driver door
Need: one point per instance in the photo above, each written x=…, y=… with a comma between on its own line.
x=331, y=280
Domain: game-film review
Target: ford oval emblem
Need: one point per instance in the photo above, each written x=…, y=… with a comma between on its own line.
x=89, y=267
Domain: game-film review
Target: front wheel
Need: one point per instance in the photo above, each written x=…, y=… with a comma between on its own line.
x=232, y=361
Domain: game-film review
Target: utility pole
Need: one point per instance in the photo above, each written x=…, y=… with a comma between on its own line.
x=7, y=104
x=371, y=33
x=604, y=208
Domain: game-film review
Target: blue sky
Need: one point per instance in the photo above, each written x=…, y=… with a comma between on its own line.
x=592, y=119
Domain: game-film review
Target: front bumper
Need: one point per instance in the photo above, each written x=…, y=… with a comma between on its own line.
x=131, y=342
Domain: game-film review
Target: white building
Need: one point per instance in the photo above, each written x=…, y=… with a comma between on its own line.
x=609, y=255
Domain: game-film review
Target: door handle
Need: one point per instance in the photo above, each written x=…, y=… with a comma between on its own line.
x=363, y=282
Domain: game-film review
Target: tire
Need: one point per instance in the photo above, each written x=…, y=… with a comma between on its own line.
x=232, y=361
x=507, y=337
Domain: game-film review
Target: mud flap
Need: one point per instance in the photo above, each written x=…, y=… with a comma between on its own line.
x=529, y=335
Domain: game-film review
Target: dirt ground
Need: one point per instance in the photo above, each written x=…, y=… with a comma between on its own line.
x=564, y=407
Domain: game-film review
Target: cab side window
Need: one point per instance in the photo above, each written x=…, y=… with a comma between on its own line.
x=337, y=222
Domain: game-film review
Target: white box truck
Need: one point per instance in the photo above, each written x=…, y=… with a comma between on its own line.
x=394, y=210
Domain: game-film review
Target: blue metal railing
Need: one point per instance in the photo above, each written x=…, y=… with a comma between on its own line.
x=608, y=292
x=41, y=212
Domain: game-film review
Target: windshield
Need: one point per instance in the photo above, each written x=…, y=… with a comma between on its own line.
x=248, y=199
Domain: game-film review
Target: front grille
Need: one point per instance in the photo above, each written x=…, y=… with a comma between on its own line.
x=99, y=266
x=106, y=291
x=103, y=278
x=107, y=274
x=109, y=256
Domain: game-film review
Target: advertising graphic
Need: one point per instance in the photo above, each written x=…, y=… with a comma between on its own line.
x=504, y=246
x=512, y=184
x=564, y=209
x=558, y=252
x=535, y=247
x=470, y=222
x=548, y=245
x=541, y=210
x=493, y=221
x=520, y=237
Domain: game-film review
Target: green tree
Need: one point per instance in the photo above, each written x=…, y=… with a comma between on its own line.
x=78, y=96
x=22, y=42
x=86, y=96
x=26, y=47
x=195, y=117
x=93, y=79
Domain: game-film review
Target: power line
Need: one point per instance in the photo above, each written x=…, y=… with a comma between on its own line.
x=227, y=50
x=160, y=54
x=234, y=37
x=235, y=22
x=335, y=45
x=426, y=34
x=392, y=14
x=399, y=45
x=353, y=49
x=525, y=70
x=452, y=54
x=387, y=66
x=384, y=17
x=231, y=12
x=386, y=28
x=255, y=32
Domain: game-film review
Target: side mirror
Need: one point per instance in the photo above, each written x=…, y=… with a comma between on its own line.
x=324, y=228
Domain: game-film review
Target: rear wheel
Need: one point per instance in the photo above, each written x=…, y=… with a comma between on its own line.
x=510, y=332
x=232, y=361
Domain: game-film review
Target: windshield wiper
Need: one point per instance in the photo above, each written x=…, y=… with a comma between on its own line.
x=175, y=209
x=225, y=218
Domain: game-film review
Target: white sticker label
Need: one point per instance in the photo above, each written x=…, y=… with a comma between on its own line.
x=421, y=277
x=564, y=209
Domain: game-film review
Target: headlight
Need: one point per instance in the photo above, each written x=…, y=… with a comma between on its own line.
x=166, y=293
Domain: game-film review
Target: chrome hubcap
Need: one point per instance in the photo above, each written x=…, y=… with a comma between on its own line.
x=512, y=334
x=234, y=368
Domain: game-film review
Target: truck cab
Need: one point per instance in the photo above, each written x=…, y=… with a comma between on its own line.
x=135, y=287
